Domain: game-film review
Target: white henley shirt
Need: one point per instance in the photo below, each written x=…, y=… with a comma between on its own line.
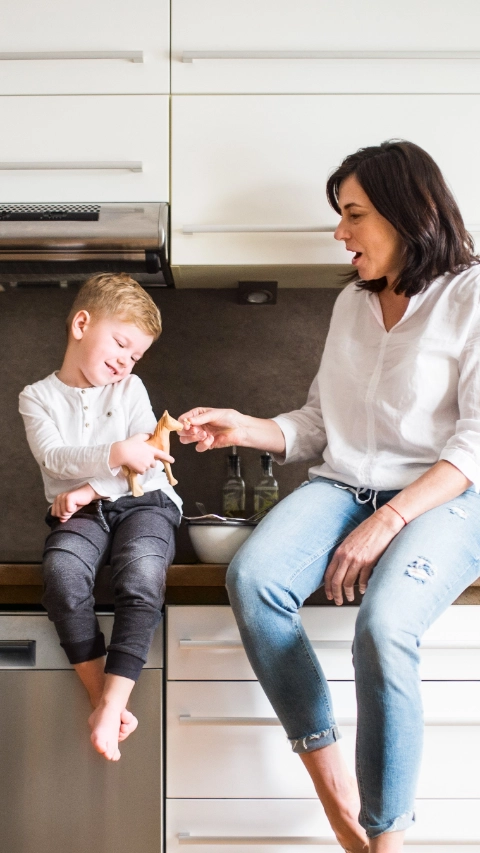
x=71, y=430
x=385, y=406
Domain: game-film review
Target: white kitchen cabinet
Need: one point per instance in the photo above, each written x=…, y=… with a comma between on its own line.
x=202, y=823
x=230, y=739
x=84, y=47
x=224, y=46
x=102, y=148
x=203, y=643
x=249, y=172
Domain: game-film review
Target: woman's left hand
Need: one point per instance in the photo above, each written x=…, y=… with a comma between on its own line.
x=358, y=555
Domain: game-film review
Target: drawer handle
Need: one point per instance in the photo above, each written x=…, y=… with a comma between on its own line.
x=186, y=838
x=187, y=719
x=128, y=55
x=236, y=644
x=80, y=165
x=18, y=653
x=317, y=644
x=193, y=55
x=258, y=229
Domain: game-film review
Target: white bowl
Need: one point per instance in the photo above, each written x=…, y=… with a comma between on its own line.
x=217, y=542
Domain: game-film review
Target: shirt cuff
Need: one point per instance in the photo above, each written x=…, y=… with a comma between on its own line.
x=290, y=432
x=464, y=462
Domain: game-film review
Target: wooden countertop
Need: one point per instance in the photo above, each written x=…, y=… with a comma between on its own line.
x=196, y=583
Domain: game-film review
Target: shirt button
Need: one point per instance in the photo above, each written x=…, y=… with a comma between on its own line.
x=85, y=407
x=43, y=463
x=87, y=425
x=109, y=414
x=83, y=391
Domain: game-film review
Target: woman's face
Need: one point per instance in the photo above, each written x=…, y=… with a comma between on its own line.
x=376, y=243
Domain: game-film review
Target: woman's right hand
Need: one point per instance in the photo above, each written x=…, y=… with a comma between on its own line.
x=211, y=428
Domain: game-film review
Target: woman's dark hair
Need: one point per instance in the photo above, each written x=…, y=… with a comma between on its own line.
x=406, y=186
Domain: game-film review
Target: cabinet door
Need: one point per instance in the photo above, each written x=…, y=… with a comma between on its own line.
x=249, y=172
x=230, y=739
x=204, y=643
x=316, y=46
x=291, y=825
x=105, y=148
x=52, y=47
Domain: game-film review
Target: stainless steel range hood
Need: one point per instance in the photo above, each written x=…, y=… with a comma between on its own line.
x=69, y=242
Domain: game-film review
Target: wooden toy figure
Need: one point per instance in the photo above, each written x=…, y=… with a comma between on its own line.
x=161, y=439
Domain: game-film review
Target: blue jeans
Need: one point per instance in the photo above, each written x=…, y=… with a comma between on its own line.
x=424, y=569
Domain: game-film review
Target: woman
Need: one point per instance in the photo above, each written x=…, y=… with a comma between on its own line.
x=395, y=411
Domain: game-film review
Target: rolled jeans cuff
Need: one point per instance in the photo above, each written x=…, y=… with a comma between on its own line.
x=124, y=664
x=316, y=741
x=85, y=649
x=399, y=824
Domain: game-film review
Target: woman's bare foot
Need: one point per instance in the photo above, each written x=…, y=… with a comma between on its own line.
x=338, y=793
x=128, y=724
x=105, y=722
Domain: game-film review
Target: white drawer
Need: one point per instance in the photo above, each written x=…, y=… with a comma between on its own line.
x=204, y=643
x=228, y=737
x=109, y=148
x=249, y=172
x=262, y=26
x=197, y=825
x=124, y=48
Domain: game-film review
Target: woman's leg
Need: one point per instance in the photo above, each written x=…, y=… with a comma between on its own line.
x=279, y=566
x=425, y=569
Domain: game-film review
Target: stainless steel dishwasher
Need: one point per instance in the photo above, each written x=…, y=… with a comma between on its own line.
x=56, y=793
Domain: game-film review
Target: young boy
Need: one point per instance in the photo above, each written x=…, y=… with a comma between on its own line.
x=83, y=423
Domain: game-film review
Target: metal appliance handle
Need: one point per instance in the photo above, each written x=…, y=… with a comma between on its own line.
x=39, y=166
x=193, y=55
x=187, y=719
x=18, y=653
x=127, y=55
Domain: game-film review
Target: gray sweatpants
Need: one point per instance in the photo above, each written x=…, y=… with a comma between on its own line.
x=136, y=536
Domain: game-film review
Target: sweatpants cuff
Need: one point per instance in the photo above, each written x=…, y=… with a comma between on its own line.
x=122, y=663
x=85, y=649
x=316, y=741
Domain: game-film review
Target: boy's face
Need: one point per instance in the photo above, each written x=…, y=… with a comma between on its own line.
x=106, y=348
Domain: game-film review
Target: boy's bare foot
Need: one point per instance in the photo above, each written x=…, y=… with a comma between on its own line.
x=105, y=722
x=128, y=724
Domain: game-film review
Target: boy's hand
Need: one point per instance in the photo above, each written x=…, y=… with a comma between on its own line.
x=66, y=503
x=135, y=454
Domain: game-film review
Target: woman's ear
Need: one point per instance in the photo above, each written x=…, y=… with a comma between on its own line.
x=79, y=324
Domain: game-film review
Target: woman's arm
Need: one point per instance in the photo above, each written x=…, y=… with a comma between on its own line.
x=358, y=554
x=212, y=428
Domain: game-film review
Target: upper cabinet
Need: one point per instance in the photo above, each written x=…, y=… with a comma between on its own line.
x=83, y=148
x=276, y=46
x=249, y=172
x=84, y=47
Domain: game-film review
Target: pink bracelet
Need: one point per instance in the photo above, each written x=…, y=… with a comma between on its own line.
x=398, y=513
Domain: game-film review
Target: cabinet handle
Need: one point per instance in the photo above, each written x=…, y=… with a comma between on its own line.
x=257, y=229
x=17, y=653
x=186, y=838
x=236, y=644
x=74, y=165
x=193, y=55
x=186, y=719
x=273, y=229
x=127, y=55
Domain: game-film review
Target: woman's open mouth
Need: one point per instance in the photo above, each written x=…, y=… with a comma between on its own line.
x=356, y=257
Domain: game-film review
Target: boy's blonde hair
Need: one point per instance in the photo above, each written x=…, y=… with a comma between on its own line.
x=116, y=294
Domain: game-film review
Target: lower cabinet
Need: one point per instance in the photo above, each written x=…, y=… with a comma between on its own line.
x=232, y=779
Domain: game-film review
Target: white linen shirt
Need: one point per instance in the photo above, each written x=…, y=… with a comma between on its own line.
x=385, y=406
x=71, y=430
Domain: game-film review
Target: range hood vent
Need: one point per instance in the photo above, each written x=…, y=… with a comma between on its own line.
x=68, y=242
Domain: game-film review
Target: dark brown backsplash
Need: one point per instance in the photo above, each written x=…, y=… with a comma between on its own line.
x=259, y=359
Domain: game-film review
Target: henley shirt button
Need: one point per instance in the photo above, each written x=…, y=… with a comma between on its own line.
x=109, y=414
x=82, y=391
x=85, y=407
x=87, y=425
x=43, y=463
